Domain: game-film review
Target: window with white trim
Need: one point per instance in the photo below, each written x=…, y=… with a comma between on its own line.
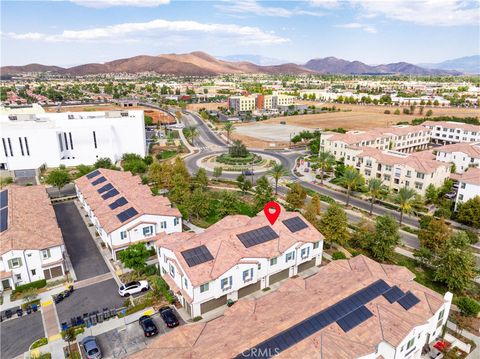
x=316, y=245
x=273, y=261
x=163, y=224
x=247, y=275
x=185, y=282
x=46, y=253
x=305, y=252
x=171, y=270
x=176, y=221
x=226, y=283
x=14, y=263
x=410, y=343
x=147, y=231
x=123, y=234
x=289, y=256
x=204, y=287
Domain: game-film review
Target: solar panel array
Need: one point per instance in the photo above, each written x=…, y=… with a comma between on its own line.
x=354, y=318
x=3, y=210
x=257, y=236
x=197, y=255
x=99, y=180
x=93, y=174
x=113, y=192
x=118, y=203
x=127, y=214
x=295, y=224
x=4, y=198
x=105, y=188
x=408, y=300
x=345, y=308
x=393, y=294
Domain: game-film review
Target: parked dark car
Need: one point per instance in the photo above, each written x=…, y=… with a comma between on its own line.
x=169, y=317
x=247, y=172
x=148, y=326
x=91, y=348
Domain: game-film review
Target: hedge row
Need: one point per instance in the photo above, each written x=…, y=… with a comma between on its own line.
x=37, y=284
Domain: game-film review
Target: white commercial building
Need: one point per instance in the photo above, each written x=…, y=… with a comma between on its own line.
x=463, y=155
x=448, y=132
x=235, y=257
x=30, y=140
x=31, y=243
x=468, y=185
x=123, y=210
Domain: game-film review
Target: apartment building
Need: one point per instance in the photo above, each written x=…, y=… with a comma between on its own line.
x=354, y=308
x=31, y=243
x=30, y=140
x=235, y=257
x=123, y=210
x=468, y=185
x=401, y=138
x=242, y=103
x=447, y=132
x=463, y=155
x=259, y=102
x=396, y=169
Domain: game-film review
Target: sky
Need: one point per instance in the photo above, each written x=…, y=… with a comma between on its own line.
x=68, y=33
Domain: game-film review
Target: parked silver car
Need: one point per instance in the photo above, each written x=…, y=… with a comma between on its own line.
x=91, y=348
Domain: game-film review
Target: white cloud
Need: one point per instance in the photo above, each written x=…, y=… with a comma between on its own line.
x=110, y=3
x=255, y=8
x=425, y=12
x=356, y=25
x=325, y=3
x=136, y=30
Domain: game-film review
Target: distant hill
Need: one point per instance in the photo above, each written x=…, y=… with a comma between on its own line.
x=467, y=64
x=255, y=59
x=202, y=64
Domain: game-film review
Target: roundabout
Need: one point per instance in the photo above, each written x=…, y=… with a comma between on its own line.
x=258, y=163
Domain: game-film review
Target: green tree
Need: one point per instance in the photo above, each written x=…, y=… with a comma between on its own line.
x=431, y=194
x=180, y=189
x=180, y=168
x=229, y=127
x=397, y=112
x=363, y=234
x=160, y=174
x=469, y=307
x=333, y=224
x=133, y=163
x=374, y=190
x=135, y=256
x=434, y=235
x=227, y=203
x=429, y=113
x=238, y=149
x=296, y=196
x=325, y=161
x=58, y=178
x=312, y=210
x=277, y=171
x=263, y=193
x=103, y=162
x=198, y=203
x=217, y=172
x=405, y=198
x=83, y=170
x=190, y=133
x=455, y=265
x=385, y=239
x=469, y=212
x=351, y=180
x=201, y=179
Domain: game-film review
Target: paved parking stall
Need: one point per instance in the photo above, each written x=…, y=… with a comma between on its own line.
x=86, y=259
x=19, y=333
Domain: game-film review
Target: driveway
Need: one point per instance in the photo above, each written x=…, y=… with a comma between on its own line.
x=89, y=299
x=86, y=259
x=16, y=335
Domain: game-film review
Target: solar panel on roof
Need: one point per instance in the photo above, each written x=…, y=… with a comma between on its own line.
x=3, y=219
x=113, y=192
x=118, y=203
x=99, y=180
x=295, y=224
x=93, y=174
x=257, y=236
x=393, y=294
x=105, y=188
x=354, y=318
x=4, y=198
x=408, y=300
x=127, y=214
x=197, y=255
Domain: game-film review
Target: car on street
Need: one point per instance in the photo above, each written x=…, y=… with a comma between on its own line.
x=90, y=346
x=451, y=195
x=169, y=317
x=135, y=287
x=248, y=173
x=148, y=326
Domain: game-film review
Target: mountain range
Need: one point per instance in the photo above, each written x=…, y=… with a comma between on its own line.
x=467, y=64
x=202, y=64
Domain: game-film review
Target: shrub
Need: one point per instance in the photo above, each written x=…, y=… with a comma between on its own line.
x=472, y=236
x=469, y=307
x=38, y=343
x=37, y=284
x=338, y=255
x=197, y=318
x=386, y=112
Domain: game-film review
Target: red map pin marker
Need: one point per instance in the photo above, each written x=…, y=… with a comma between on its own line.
x=272, y=211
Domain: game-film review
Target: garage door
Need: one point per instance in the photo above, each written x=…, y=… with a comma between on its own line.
x=279, y=276
x=213, y=304
x=306, y=265
x=53, y=272
x=249, y=289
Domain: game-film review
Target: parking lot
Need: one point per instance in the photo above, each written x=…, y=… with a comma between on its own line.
x=16, y=335
x=121, y=342
x=89, y=299
x=86, y=259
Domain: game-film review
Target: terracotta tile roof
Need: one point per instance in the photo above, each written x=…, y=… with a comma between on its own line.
x=31, y=220
x=451, y=124
x=355, y=137
x=222, y=242
x=470, y=176
x=472, y=149
x=250, y=322
x=129, y=186
x=5, y=275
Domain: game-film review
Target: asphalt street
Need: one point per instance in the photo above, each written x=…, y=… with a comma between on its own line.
x=19, y=333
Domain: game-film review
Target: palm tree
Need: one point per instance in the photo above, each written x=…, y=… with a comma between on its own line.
x=405, y=199
x=325, y=161
x=350, y=179
x=277, y=172
x=190, y=133
x=374, y=189
x=229, y=127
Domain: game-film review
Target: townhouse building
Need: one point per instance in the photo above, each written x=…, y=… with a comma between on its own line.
x=401, y=138
x=468, y=185
x=259, y=102
x=235, y=257
x=354, y=308
x=448, y=132
x=396, y=169
x=30, y=140
x=463, y=155
x=31, y=243
x=123, y=210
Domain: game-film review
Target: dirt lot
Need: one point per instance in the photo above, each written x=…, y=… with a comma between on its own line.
x=208, y=106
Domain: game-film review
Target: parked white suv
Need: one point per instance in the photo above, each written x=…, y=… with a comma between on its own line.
x=128, y=289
